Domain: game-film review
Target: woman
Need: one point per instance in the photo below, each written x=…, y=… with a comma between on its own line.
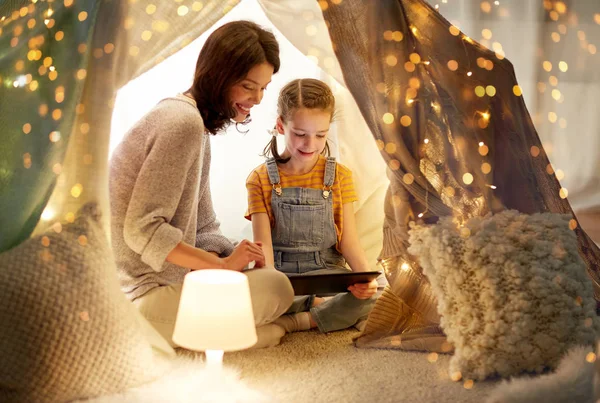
x=163, y=222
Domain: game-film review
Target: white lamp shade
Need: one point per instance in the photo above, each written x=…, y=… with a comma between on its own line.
x=215, y=312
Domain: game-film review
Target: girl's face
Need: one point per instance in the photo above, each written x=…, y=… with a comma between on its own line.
x=249, y=92
x=305, y=136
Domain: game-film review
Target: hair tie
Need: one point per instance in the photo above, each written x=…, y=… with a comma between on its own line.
x=273, y=132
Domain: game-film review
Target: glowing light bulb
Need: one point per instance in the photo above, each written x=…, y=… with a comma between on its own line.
x=48, y=214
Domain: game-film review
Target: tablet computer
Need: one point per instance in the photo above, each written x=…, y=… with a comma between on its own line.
x=332, y=283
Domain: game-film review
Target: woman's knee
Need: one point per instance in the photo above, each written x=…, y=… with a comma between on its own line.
x=272, y=287
x=279, y=287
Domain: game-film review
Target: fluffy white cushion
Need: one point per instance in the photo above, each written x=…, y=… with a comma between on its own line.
x=67, y=330
x=512, y=291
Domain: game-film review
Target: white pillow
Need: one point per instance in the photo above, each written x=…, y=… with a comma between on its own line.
x=512, y=291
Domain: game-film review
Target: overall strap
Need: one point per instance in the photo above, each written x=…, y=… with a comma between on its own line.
x=272, y=171
x=274, y=178
x=329, y=176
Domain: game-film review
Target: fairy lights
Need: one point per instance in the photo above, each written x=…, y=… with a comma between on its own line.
x=182, y=11
x=388, y=118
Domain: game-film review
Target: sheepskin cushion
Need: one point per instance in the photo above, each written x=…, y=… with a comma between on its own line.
x=573, y=381
x=67, y=330
x=512, y=291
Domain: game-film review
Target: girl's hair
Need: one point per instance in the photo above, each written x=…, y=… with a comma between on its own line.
x=225, y=59
x=306, y=93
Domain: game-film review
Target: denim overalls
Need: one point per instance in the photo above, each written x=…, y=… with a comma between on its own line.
x=304, y=239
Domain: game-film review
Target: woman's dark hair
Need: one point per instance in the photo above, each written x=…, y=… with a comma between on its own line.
x=225, y=59
x=306, y=93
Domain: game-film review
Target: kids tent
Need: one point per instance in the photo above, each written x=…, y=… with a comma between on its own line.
x=433, y=107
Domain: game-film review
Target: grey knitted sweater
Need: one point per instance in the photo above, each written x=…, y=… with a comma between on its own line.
x=160, y=195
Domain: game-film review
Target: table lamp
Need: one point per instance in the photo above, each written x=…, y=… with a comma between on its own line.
x=215, y=314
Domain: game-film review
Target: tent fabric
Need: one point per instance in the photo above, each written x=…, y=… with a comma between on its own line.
x=68, y=59
x=458, y=139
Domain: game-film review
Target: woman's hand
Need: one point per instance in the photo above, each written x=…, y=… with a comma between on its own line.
x=364, y=290
x=244, y=253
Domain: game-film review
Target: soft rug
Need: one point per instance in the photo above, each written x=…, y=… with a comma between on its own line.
x=186, y=381
x=314, y=367
x=311, y=367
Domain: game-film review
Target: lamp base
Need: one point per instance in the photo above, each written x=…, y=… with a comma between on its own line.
x=214, y=359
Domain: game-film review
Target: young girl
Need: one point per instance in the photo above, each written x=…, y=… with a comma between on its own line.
x=300, y=204
x=163, y=222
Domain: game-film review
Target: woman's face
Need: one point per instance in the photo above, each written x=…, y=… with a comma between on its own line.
x=249, y=92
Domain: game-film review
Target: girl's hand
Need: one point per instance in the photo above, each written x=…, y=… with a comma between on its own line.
x=244, y=253
x=364, y=290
